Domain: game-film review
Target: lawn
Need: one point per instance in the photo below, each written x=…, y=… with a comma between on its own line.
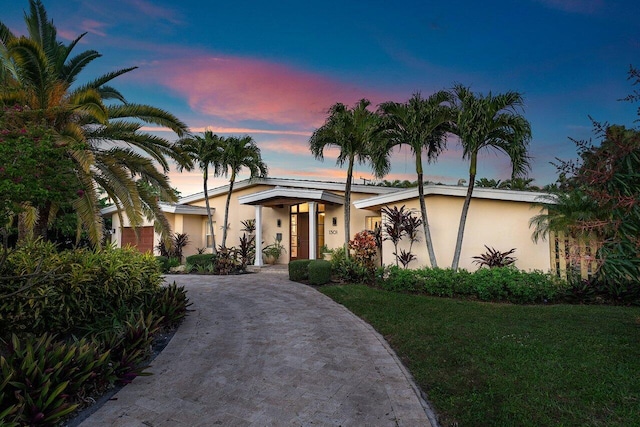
x=486, y=364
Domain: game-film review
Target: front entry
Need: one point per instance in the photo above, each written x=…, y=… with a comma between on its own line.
x=300, y=236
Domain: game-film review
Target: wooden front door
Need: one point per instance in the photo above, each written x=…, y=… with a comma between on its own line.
x=299, y=236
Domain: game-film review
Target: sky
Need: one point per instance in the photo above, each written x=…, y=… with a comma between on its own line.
x=271, y=70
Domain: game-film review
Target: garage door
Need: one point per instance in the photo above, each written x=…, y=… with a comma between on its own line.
x=144, y=242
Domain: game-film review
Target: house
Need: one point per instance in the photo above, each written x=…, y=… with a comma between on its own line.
x=305, y=215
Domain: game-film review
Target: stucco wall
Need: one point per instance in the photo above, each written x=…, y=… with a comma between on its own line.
x=502, y=225
x=239, y=212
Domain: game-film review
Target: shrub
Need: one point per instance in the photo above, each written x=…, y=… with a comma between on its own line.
x=299, y=270
x=496, y=284
x=57, y=292
x=163, y=261
x=319, y=272
x=203, y=260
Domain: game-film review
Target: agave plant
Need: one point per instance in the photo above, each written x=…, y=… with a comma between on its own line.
x=494, y=258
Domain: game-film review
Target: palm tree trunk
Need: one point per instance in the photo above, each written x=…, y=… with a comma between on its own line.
x=226, y=210
x=465, y=211
x=210, y=217
x=347, y=207
x=423, y=211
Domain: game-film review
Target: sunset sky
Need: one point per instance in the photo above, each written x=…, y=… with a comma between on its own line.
x=272, y=69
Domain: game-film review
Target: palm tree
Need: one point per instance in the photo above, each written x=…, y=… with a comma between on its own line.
x=488, y=122
x=352, y=130
x=239, y=153
x=565, y=211
x=421, y=124
x=489, y=183
x=110, y=152
x=207, y=151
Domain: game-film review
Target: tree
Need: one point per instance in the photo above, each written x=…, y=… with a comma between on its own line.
x=353, y=131
x=38, y=73
x=422, y=124
x=601, y=200
x=488, y=122
x=488, y=183
x=239, y=153
x=206, y=151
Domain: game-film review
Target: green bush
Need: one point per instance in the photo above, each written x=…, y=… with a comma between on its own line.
x=319, y=272
x=201, y=260
x=494, y=284
x=113, y=298
x=163, y=261
x=59, y=291
x=299, y=270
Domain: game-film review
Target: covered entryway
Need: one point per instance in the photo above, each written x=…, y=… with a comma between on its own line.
x=300, y=229
x=306, y=220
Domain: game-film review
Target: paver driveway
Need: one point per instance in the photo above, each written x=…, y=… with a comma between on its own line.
x=260, y=350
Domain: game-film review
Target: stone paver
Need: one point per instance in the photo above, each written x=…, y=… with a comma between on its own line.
x=260, y=350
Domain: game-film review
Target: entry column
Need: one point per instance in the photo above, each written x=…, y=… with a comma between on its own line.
x=313, y=234
x=258, y=262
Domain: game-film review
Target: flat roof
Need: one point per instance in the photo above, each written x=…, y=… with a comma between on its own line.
x=288, y=196
x=450, y=190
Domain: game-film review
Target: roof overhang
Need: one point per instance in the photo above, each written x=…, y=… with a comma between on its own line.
x=377, y=202
x=166, y=208
x=290, y=196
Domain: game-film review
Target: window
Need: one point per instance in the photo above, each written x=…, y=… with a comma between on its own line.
x=371, y=222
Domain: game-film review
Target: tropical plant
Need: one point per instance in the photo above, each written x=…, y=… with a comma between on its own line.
x=494, y=258
x=38, y=73
x=422, y=124
x=274, y=251
x=519, y=183
x=600, y=202
x=491, y=122
x=239, y=153
x=247, y=249
x=364, y=248
x=206, y=151
x=398, y=224
x=488, y=183
x=353, y=132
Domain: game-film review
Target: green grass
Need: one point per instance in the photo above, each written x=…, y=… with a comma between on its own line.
x=485, y=364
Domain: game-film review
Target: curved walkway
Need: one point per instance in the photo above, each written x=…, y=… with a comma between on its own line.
x=260, y=350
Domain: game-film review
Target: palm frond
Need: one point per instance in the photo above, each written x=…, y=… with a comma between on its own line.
x=149, y=114
x=75, y=65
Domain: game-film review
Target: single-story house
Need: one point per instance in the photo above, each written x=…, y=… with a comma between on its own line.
x=306, y=215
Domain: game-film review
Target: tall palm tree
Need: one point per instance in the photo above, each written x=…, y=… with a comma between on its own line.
x=206, y=151
x=353, y=131
x=239, y=153
x=38, y=72
x=485, y=123
x=421, y=124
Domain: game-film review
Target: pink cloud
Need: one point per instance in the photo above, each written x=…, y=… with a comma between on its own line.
x=151, y=10
x=236, y=89
x=93, y=27
x=322, y=174
x=575, y=6
x=249, y=131
x=301, y=148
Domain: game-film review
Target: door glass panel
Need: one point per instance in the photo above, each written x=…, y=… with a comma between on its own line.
x=294, y=236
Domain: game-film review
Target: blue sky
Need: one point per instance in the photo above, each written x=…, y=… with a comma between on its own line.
x=271, y=70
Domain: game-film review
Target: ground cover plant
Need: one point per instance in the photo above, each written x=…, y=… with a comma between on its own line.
x=75, y=323
x=503, y=364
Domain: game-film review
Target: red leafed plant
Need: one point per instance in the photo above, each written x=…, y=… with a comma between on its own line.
x=494, y=258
